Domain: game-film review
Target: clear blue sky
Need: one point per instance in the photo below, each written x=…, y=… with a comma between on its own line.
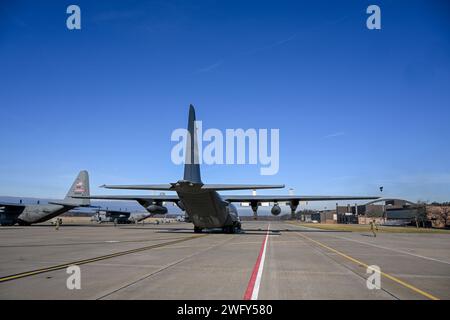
x=356, y=108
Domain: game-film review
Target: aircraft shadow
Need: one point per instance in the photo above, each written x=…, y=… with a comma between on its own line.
x=367, y=235
x=298, y=230
x=243, y=233
x=178, y=230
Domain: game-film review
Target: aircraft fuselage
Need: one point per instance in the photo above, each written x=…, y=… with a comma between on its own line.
x=33, y=214
x=206, y=208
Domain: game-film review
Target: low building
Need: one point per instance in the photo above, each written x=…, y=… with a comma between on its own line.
x=383, y=211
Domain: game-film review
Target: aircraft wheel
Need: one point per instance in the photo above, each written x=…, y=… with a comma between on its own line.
x=7, y=224
x=197, y=229
x=229, y=229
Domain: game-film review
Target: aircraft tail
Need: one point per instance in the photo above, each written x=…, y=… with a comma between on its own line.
x=192, y=166
x=80, y=188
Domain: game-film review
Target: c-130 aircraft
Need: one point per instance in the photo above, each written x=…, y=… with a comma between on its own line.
x=204, y=206
x=27, y=214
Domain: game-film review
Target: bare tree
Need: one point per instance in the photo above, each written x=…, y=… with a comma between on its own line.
x=444, y=214
x=421, y=216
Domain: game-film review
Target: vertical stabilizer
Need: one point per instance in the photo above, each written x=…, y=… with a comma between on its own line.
x=80, y=188
x=192, y=166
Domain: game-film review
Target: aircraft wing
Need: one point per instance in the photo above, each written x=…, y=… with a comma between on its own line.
x=231, y=198
x=167, y=198
x=11, y=211
x=250, y=198
x=11, y=205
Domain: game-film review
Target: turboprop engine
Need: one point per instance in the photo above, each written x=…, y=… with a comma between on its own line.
x=155, y=209
x=276, y=210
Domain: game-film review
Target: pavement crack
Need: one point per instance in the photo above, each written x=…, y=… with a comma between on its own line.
x=324, y=253
x=91, y=260
x=168, y=266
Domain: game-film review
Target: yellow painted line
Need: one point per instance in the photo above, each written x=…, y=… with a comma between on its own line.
x=395, y=279
x=108, y=256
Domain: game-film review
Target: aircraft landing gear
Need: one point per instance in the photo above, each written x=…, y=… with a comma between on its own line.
x=232, y=229
x=7, y=224
x=228, y=229
x=198, y=230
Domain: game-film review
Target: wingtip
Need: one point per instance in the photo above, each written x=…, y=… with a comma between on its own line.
x=102, y=186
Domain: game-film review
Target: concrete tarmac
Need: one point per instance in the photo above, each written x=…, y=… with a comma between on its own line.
x=169, y=261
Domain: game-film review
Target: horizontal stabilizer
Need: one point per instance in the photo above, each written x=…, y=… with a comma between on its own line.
x=161, y=187
x=73, y=203
x=225, y=187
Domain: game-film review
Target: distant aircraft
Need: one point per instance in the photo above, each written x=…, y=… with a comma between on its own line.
x=120, y=217
x=180, y=219
x=205, y=207
x=12, y=213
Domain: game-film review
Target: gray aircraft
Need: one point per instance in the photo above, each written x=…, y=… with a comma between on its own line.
x=120, y=217
x=204, y=206
x=27, y=214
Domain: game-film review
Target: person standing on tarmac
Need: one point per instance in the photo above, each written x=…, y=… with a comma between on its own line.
x=373, y=228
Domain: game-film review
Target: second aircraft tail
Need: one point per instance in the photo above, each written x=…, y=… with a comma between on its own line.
x=80, y=187
x=192, y=166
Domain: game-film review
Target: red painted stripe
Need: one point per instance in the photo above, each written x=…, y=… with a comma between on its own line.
x=251, y=284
